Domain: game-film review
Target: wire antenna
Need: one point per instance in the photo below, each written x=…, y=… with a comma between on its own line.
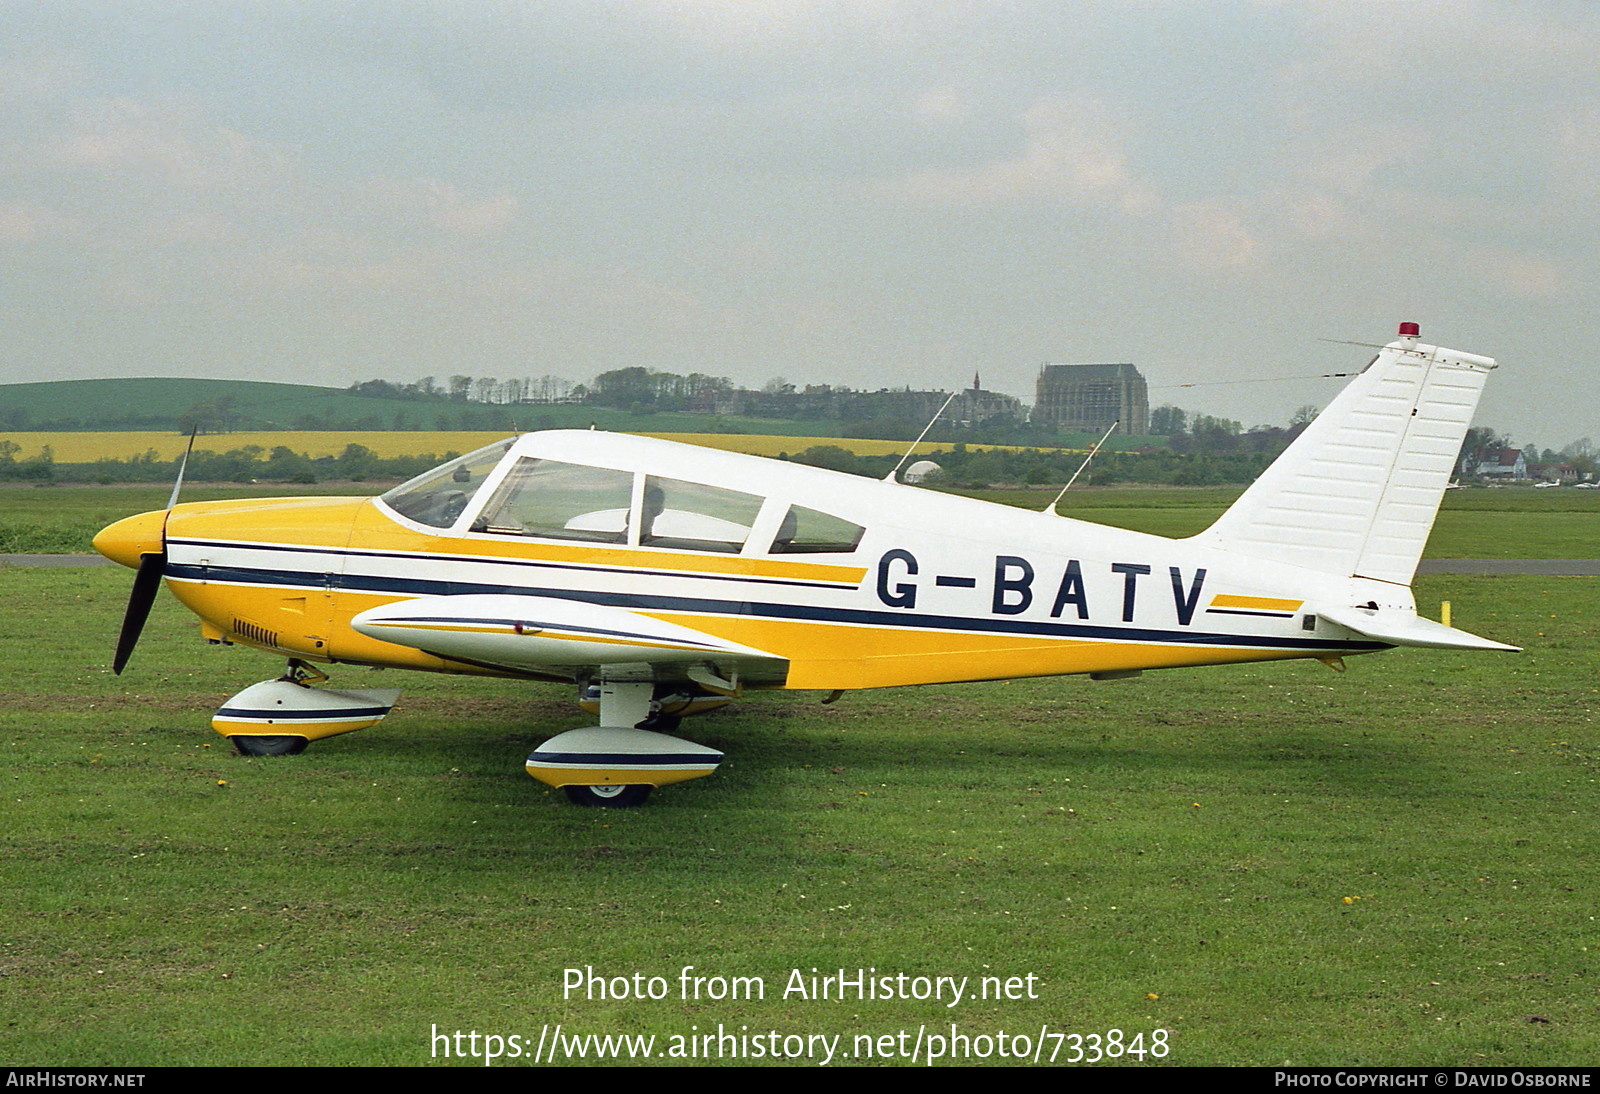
x=1347, y=342
x=1261, y=380
x=1051, y=508
x=890, y=477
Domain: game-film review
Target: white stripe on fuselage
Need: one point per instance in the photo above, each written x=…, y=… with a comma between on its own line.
x=1035, y=592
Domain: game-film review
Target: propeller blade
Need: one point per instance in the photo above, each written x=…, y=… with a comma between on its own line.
x=146, y=583
x=147, y=578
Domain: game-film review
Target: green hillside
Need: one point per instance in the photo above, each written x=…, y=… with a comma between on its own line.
x=234, y=406
x=151, y=403
x=140, y=403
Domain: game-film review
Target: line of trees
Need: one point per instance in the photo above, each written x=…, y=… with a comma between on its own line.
x=476, y=389
x=974, y=468
x=963, y=466
x=249, y=463
x=40, y=468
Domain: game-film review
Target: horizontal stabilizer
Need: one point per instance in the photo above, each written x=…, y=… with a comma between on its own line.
x=1408, y=629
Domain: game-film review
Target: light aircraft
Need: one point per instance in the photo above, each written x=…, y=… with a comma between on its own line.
x=665, y=579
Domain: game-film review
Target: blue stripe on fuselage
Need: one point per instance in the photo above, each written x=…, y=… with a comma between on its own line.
x=409, y=586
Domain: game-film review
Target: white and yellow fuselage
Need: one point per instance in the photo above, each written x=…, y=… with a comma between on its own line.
x=938, y=589
x=643, y=569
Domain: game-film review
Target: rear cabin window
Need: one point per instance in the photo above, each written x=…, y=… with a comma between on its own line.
x=807, y=532
x=439, y=496
x=560, y=501
x=688, y=516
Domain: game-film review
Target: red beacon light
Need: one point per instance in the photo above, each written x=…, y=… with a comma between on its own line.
x=1410, y=330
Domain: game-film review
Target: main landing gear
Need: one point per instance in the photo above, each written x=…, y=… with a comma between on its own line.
x=613, y=765
x=617, y=763
x=613, y=797
x=268, y=746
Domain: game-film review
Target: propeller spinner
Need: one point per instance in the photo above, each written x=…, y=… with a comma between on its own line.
x=140, y=543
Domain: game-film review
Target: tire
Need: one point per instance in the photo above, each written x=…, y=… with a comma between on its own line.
x=610, y=796
x=269, y=746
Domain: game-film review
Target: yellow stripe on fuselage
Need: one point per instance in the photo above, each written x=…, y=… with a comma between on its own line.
x=827, y=656
x=1255, y=603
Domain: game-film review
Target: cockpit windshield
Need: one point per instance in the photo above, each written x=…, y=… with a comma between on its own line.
x=542, y=498
x=560, y=501
x=439, y=496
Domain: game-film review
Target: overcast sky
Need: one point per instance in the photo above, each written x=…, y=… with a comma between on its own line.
x=871, y=192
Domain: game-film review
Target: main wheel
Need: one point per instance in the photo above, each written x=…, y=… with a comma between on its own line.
x=269, y=746
x=609, y=796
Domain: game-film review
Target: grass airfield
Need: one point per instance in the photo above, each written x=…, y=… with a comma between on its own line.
x=1271, y=863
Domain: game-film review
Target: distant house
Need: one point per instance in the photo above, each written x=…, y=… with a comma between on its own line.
x=1502, y=463
x=970, y=407
x=1564, y=473
x=975, y=405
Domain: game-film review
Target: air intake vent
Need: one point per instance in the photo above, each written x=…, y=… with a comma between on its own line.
x=254, y=633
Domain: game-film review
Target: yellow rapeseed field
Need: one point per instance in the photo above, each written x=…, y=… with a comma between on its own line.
x=87, y=447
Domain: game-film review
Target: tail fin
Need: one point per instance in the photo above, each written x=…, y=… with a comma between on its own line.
x=1355, y=495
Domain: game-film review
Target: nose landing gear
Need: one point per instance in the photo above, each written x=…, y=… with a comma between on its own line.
x=280, y=717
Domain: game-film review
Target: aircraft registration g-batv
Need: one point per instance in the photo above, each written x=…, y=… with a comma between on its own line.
x=664, y=579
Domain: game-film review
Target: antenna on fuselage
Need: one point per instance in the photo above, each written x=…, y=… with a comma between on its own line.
x=1051, y=508
x=890, y=477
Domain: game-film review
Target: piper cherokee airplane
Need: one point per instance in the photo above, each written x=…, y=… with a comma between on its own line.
x=665, y=579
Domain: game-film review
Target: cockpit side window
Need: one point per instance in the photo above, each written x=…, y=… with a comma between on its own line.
x=807, y=532
x=689, y=516
x=439, y=496
x=560, y=501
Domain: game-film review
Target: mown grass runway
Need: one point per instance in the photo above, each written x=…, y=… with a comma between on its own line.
x=1274, y=863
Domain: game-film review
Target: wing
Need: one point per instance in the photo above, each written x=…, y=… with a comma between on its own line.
x=538, y=634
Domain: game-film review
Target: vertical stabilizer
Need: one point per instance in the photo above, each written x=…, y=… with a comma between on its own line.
x=1355, y=495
